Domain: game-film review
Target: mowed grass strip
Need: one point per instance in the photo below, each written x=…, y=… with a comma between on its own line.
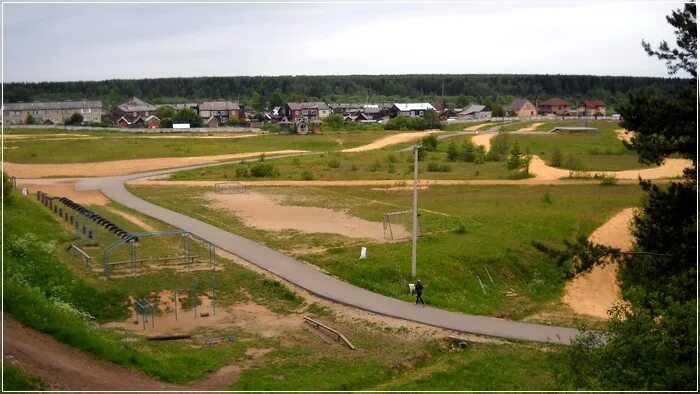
x=134, y=147
x=500, y=223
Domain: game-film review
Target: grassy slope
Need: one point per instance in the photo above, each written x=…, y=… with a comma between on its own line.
x=501, y=222
x=134, y=147
x=384, y=354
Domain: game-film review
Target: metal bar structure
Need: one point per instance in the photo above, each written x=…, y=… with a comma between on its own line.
x=194, y=297
x=339, y=336
x=133, y=238
x=76, y=251
x=213, y=295
x=144, y=307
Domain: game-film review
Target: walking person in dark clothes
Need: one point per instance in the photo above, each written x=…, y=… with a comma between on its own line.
x=419, y=292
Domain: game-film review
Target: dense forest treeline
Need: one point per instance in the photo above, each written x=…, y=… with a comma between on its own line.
x=259, y=91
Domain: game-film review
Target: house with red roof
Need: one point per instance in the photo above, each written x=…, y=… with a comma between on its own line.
x=554, y=106
x=593, y=108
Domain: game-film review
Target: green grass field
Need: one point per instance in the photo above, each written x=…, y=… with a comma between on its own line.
x=123, y=147
x=43, y=287
x=500, y=224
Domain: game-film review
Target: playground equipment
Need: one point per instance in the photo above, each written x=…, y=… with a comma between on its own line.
x=144, y=308
x=397, y=225
x=132, y=239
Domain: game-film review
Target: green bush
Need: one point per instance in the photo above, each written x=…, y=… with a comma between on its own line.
x=437, y=167
x=307, y=175
x=430, y=143
x=556, y=157
x=606, y=180
x=353, y=167
x=376, y=166
x=242, y=170
x=264, y=169
x=333, y=163
x=452, y=151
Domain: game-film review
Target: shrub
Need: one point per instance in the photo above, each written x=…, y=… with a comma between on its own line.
x=452, y=152
x=30, y=119
x=307, y=175
x=333, y=163
x=353, y=167
x=556, y=157
x=75, y=119
x=376, y=166
x=390, y=168
x=392, y=158
x=430, y=143
x=242, y=171
x=606, y=180
x=263, y=169
x=499, y=147
x=574, y=163
x=547, y=197
x=296, y=161
x=468, y=152
x=462, y=229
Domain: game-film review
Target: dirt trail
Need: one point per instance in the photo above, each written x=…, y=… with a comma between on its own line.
x=483, y=139
x=391, y=140
x=267, y=212
x=532, y=127
x=63, y=188
x=595, y=292
x=475, y=127
x=133, y=219
x=122, y=167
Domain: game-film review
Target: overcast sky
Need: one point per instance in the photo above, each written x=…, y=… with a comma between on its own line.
x=60, y=42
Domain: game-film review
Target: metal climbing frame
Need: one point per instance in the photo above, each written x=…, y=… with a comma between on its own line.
x=133, y=238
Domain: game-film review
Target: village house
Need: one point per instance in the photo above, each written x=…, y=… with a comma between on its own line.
x=141, y=122
x=221, y=110
x=310, y=109
x=409, y=109
x=128, y=114
x=592, y=108
x=555, y=106
x=474, y=112
x=54, y=112
x=521, y=108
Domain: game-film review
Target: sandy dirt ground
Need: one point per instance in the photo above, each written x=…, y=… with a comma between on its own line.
x=133, y=219
x=624, y=135
x=63, y=188
x=266, y=212
x=483, y=139
x=474, y=128
x=391, y=140
x=595, y=292
x=532, y=127
x=122, y=167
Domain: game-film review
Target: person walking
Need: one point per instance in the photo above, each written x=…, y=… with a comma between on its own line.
x=419, y=292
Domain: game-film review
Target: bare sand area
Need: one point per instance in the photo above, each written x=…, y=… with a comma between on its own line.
x=122, y=167
x=484, y=140
x=532, y=127
x=392, y=140
x=267, y=212
x=624, y=135
x=63, y=188
x=594, y=293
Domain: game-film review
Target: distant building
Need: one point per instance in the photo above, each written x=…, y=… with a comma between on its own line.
x=213, y=121
x=593, y=108
x=555, y=106
x=309, y=109
x=141, y=122
x=409, y=109
x=54, y=112
x=474, y=111
x=131, y=111
x=222, y=110
x=521, y=108
x=306, y=125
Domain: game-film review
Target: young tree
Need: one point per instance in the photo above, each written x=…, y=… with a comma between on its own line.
x=432, y=118
x=468, y=151
x=333, y=122
x=430, y=143
x=188, y=115
x=30, y=119
x=452, y=152
x=516, y=158
x=556, y=157
x=276, y=98
x=527, y=159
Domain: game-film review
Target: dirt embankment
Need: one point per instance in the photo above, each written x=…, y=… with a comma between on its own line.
x=122, y=167
x=595, y=292
x=391, y=140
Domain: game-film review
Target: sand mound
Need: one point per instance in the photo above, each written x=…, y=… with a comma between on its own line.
x=122, y=167
x=266, y=212
x=391, y=140
x=669, y=169
x=595, y=292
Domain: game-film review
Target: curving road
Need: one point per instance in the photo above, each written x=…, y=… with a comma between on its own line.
x=315, y=281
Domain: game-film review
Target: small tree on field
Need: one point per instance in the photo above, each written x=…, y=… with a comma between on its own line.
x=468, y=152
x=452, y=152
x=499, y=147
x=75, y=119
x=30, y=119
x=432, y=118
x=430, y=143
x=527, y=159
x=556, y=157
x=516, y=159
x=480, y=155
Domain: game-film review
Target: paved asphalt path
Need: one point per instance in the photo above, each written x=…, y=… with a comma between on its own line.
x=319, y=283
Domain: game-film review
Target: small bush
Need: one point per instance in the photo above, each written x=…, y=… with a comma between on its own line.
x=430, y=143
x=376, y=166
x=242, y=171
x=547, y=198
x=263, y=169
x=606, y=180
x=462, y=229
x=307, y=175
x=390, y=168
x=556, y=157
x=333, y=163
x=392, y=158
x=353, y=167
x=574, y=163
x=296, y=161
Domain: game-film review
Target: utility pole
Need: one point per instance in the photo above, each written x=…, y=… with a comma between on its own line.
x=415, y=209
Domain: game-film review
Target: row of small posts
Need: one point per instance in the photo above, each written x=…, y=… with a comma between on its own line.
x=84, y=233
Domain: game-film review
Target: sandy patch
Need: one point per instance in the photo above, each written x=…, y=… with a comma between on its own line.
x=392, y=140
x=267, y=213
x=669, y=169
x=35, y=136
x=248, y=316
x=64, y=188
x=484, y=140
x=624, y=135
x=122, y=167
x=10, y=147
x=532, y=127
x=133, y=219
x=594, y=293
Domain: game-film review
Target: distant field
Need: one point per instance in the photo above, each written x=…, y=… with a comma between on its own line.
x=500, y=224
x=137, y=147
